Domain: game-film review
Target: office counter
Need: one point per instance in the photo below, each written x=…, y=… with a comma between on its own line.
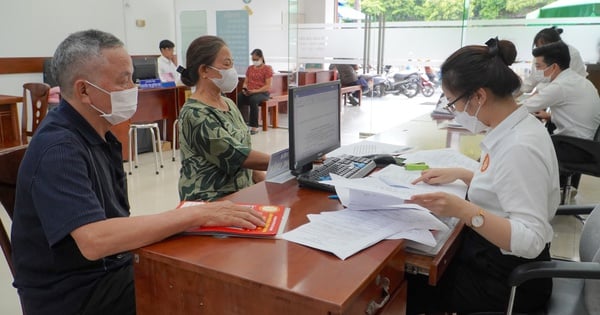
x=210, y=275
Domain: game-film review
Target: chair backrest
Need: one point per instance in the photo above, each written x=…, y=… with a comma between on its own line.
x=10, y=159
x=35, y=96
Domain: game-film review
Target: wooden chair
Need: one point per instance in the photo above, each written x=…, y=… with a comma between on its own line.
x=10, y=159
x=35, y=96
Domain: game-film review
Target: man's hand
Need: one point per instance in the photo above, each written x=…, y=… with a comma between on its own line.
x=226, y=213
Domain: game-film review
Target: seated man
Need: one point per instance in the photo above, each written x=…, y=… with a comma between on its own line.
x=348, y=76
x=72, y=235
x=572, y=99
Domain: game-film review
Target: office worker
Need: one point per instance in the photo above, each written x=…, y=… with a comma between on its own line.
x=167, y=62
x=544, y=37
x=572, y=100
x=255, y=88
x=217, y=158
x=71, y=230
x=512, y=196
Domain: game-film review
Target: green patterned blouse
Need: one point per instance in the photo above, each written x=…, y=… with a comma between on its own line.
x=213, y=144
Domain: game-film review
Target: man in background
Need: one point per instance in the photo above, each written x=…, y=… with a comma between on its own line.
x=167, y=62
x=348, y=76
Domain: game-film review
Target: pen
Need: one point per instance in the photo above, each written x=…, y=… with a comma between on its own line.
x=333, y=197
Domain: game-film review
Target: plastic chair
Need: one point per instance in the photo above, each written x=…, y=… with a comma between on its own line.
x=35, y=96
x=576, y=155
x=574, y=290
x=10, y=160
x=133, y=147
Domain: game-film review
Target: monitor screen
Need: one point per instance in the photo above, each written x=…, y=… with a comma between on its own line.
x=314, y=123
x=144, y=68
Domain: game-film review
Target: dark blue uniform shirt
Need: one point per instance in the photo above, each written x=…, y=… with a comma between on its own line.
x=69, y=177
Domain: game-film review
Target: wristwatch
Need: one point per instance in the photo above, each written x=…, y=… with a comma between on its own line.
x=478, y=219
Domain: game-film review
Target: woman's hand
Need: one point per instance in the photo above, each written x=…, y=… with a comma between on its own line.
x=258, y=176
x=444, y=204
x=437, y=176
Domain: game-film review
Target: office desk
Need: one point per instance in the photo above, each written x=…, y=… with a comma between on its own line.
x=9, y=121
x=202, y=274
x=160, y=104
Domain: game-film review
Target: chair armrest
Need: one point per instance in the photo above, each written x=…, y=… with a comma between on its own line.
x=575, y=209
x=554, y=269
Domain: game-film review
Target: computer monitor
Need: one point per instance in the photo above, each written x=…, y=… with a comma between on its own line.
x=314, y=123
x=144, y=68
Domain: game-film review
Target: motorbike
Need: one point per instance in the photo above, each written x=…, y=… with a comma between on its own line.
x=425, y=86
x=406, y=83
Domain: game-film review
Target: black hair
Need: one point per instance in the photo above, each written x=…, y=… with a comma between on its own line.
x=557, y=52
x=165, y=43
x=257, y=52
x=477, y=66
x=202, y=51
x=547, y=36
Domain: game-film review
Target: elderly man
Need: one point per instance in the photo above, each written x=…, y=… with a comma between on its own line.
x=71, y=231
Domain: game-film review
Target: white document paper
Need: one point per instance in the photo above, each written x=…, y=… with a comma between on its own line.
x=278, y=170
x=441, y=158
x=420, y=236
x=397, y=176
x=347, y=232
x=368, y=147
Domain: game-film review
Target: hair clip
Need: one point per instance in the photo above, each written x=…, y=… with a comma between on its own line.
x=492, y=44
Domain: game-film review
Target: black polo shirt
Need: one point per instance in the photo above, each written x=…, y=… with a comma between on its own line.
x=69, y=177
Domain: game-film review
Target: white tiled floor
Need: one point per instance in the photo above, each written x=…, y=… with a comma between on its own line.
x=150, y=193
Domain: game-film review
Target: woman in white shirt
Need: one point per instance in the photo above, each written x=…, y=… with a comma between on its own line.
x=511, y=198
x=547, y=36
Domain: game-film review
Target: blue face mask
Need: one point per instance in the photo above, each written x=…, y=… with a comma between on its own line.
x=228, y=80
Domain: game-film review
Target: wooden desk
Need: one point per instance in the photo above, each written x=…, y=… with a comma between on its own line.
x=9, y=121
x=161, y=104
x=201, y=274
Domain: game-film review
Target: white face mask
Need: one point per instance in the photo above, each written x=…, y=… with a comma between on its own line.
x=471, y=123
x=538, y=75
x=123, y=104
x=228, y=80
x=257, y=63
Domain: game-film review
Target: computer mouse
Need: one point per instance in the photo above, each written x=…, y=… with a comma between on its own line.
x=382, y=160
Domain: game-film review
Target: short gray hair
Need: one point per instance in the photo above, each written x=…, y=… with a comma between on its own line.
x=77, y=53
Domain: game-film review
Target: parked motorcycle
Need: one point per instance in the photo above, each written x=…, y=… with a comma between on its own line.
x=425, y=86
x=406, y=83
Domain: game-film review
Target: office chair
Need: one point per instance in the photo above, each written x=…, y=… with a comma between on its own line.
x=574, y=290
x=35, y=96
x=576, y=155
x=133, y=145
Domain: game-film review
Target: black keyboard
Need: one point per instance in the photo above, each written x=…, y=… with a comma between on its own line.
x=347, y=166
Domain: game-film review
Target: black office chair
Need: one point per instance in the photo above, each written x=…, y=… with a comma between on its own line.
x=576, y=155
x=574, y=290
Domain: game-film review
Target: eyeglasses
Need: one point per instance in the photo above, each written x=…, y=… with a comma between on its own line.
x=450, y=106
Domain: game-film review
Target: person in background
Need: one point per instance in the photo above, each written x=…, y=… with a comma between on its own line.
x=572, y=100
x=256, y=87
x=167, y=62
x=348, y=76
x=513, y=194
x=72, y=232
x=217, y=158
x=547, y=36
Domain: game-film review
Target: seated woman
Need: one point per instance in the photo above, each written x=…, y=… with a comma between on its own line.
x=216, y=150
x=512, y=196
x=256, y=87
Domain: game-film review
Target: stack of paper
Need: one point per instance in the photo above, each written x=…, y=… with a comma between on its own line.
x=376, y=209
